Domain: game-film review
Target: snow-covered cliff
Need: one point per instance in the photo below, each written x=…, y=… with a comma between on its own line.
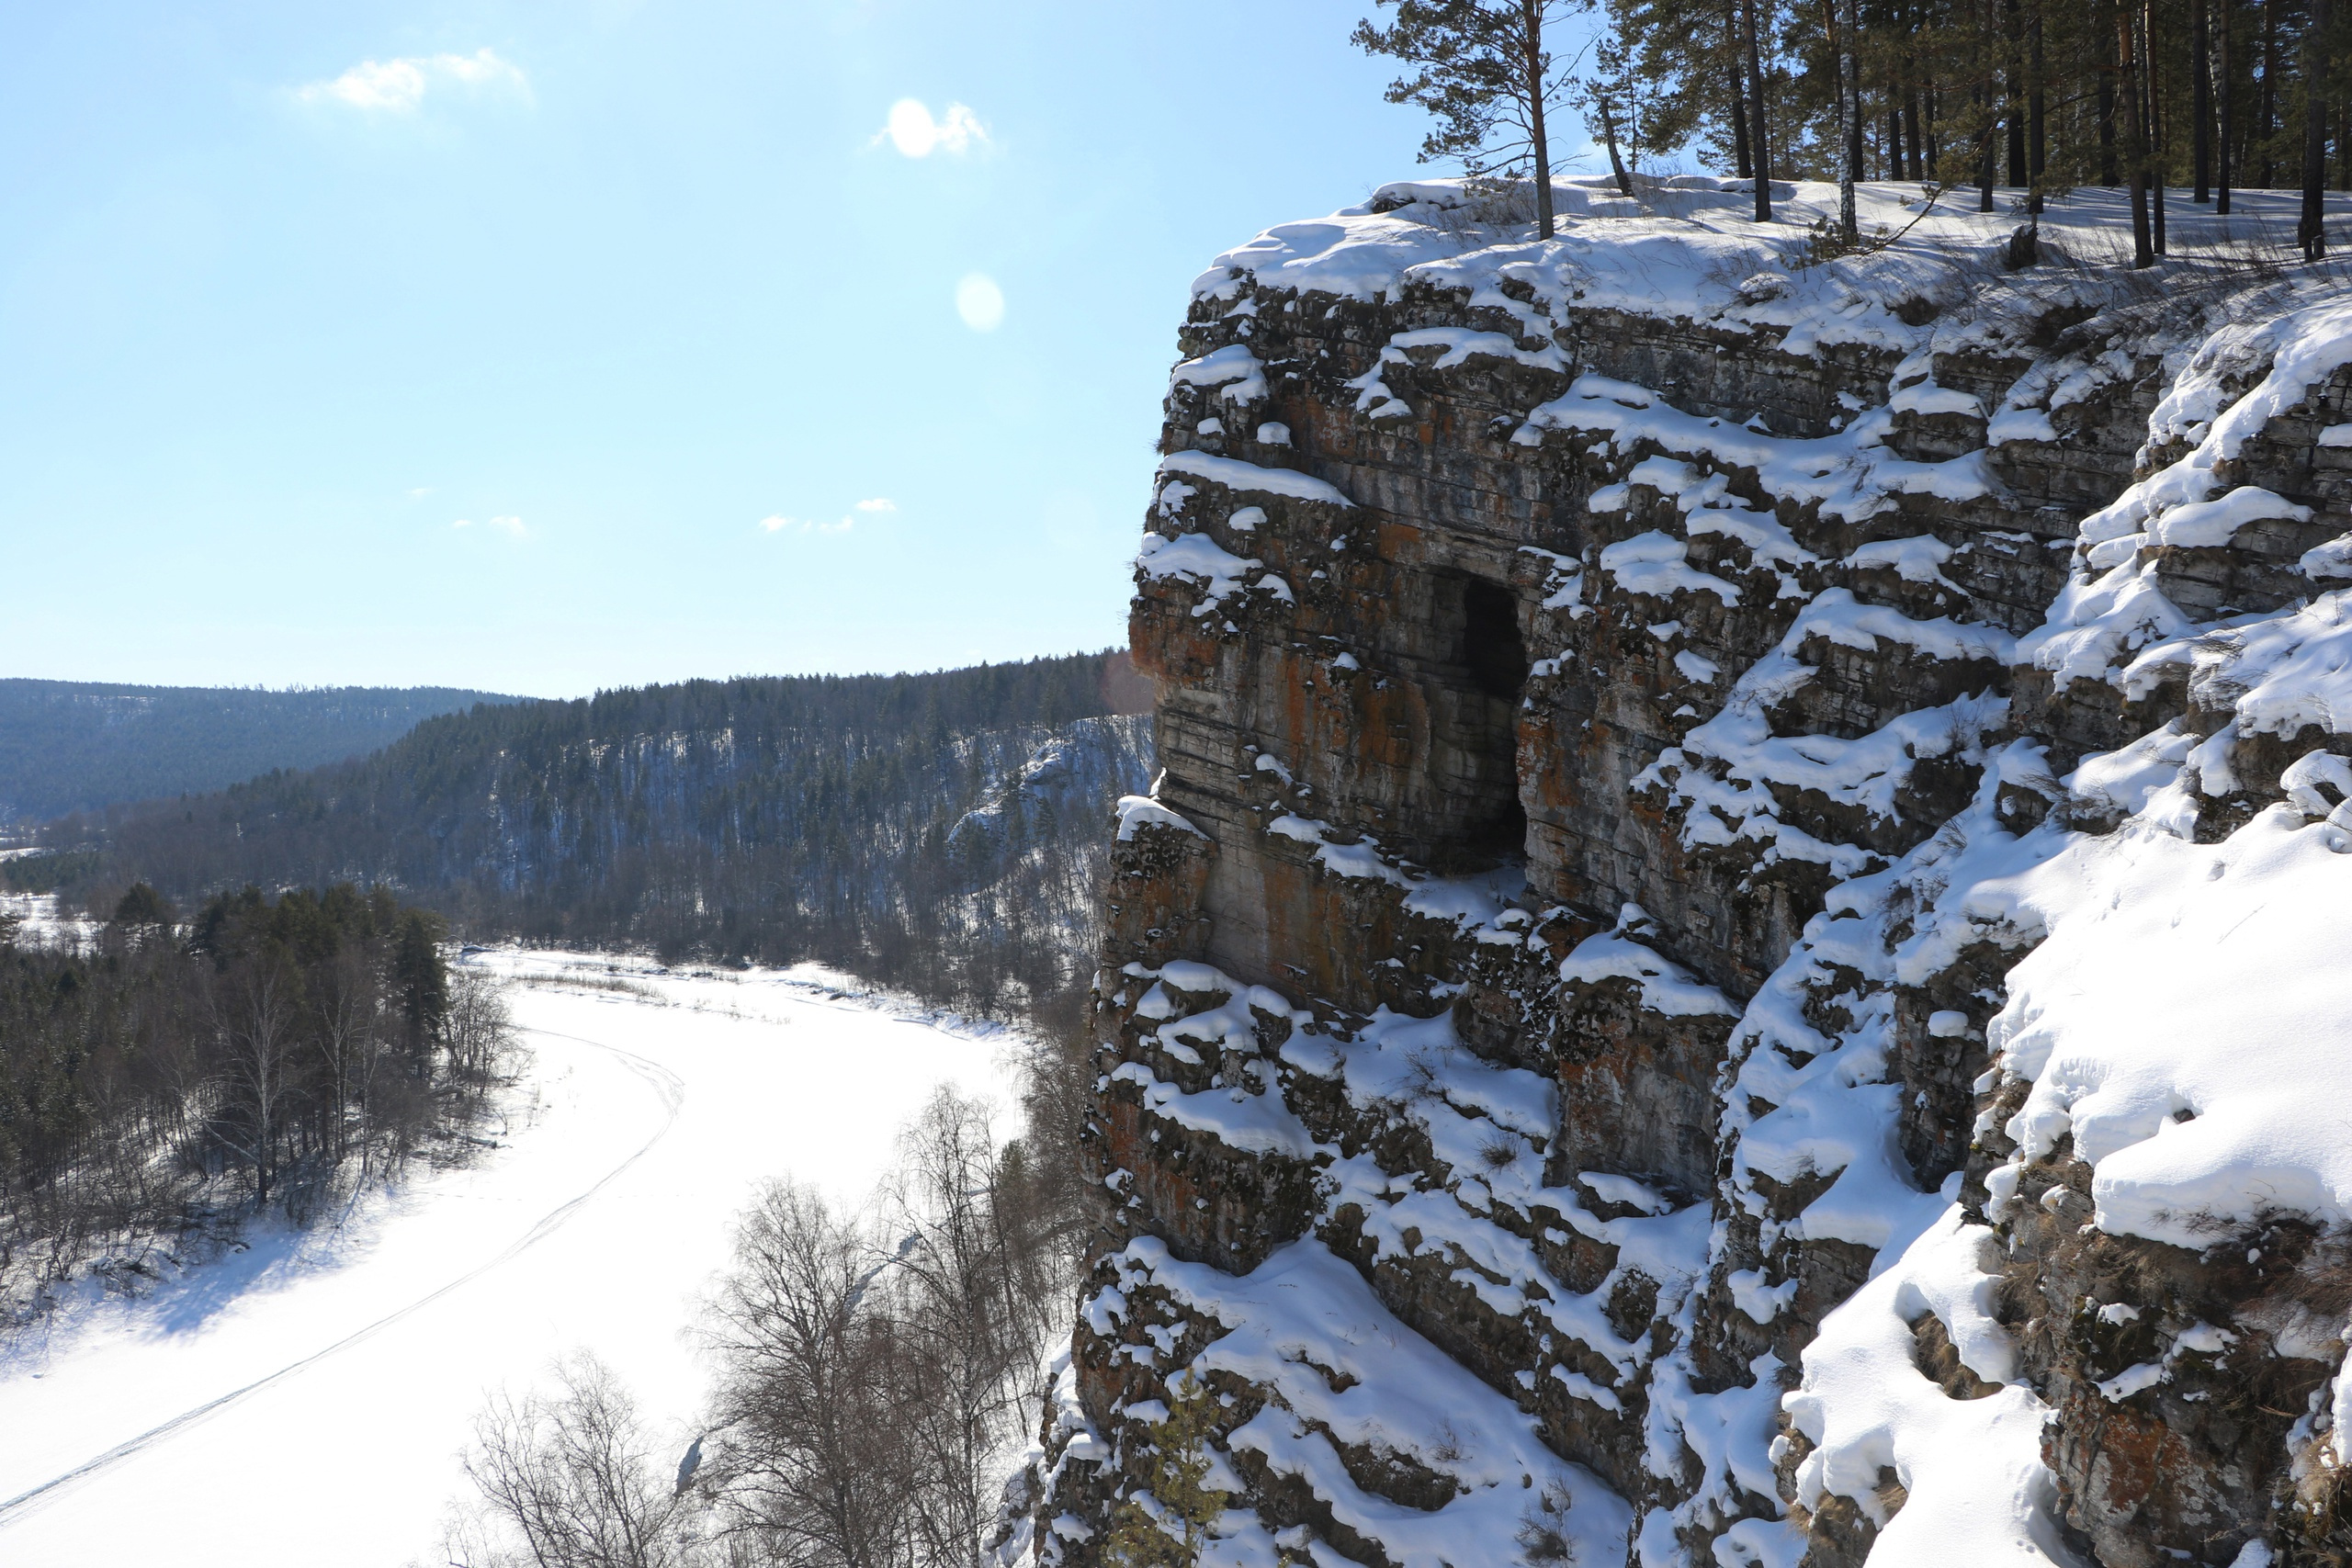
x=1737, y=959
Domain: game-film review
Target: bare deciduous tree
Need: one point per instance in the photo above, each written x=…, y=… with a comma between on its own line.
x=571, y=1481
x=481, y=1030
x=810, y=1461
x=347, y=1002
x=975, y=1306
x=254, y=1017
x=872, y=1372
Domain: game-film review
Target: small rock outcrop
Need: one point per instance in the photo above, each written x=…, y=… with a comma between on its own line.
x=1738, y=957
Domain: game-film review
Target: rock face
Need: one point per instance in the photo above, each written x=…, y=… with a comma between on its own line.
x=1639, y=1024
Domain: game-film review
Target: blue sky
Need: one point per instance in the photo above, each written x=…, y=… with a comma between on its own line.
x=547, y=347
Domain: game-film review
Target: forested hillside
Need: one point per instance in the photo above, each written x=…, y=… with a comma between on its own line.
x=939, y=832
x=159, y=1073
x=77, y=745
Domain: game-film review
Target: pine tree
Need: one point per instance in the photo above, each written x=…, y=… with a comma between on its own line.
x=1179, y=1484
x=1606, y=95
x=142, y=905
x=1483, y=70
x=420, y=979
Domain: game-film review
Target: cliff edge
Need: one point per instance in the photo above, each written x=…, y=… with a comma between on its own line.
x=1740, y=955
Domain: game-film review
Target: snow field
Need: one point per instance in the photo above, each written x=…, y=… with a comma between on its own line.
x=364, y=1351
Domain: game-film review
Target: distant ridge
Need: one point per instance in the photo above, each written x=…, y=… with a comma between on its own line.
x=80, y=745
x=944, y=831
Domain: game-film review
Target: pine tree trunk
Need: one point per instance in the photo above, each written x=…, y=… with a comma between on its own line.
x=2013, y=32
x=1988, y=87
x=2266, y=102
x=2200, y=101
x=2313, y=228
x=2135, y=161
x=2109, y=73
x=1911, y=130
x=1857, y=125
x=1742, y=165
x=1531, y=14
x=2228, y=98
x=2037, y=118
x=1761, y=150
x=2151, y=105
x=1609, y=137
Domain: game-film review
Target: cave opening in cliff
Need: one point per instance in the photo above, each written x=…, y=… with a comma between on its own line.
x=1491, y=647
x=1489, y=673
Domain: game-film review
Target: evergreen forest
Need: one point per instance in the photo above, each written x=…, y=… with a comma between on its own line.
x=940, y=833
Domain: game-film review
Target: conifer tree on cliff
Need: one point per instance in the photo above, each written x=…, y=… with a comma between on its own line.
x=1481, y=67
x=1608, y=95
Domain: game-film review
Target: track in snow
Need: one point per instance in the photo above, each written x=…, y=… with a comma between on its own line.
x=595, y=1228
x=666, y=1085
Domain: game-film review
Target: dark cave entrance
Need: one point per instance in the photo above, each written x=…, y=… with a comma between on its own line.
x=1491, y=647
x=1485, y=674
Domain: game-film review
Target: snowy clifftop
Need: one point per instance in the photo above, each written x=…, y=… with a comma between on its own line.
x=1744, y=860
x=1688, y=248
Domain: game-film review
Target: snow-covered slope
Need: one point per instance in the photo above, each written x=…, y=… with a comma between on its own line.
x=303, y=1402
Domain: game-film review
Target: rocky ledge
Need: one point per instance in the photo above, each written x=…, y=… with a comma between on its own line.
x=1740, y=955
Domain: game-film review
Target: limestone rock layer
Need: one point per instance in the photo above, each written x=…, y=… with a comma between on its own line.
x=1677, y=1000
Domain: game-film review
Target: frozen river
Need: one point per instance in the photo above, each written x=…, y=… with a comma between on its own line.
x=304, y=1401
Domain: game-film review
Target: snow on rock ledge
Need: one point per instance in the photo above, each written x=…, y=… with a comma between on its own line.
x=2188, y=1023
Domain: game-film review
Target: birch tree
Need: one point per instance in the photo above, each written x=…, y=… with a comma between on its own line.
x=252, y=1011
x=573, y=1478
x=813, y=1461
x=973, y=1313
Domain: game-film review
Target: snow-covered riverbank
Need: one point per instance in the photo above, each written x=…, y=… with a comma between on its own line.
x=304, y=1401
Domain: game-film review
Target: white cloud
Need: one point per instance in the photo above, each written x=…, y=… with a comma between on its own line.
x=913, y=132
x=399, y=84
x=879, y=504
x=783, y=524
x=980, y=302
